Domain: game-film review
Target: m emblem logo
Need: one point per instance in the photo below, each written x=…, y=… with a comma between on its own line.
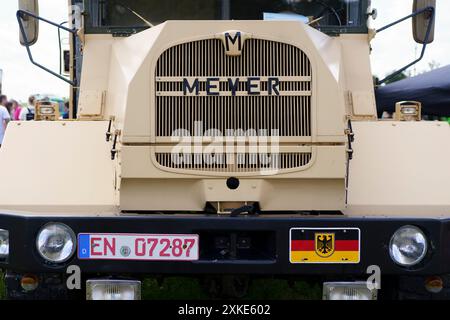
x=233, y=41
x=324, y=244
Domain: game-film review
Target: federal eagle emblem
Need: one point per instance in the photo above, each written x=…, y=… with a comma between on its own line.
x=324, y=244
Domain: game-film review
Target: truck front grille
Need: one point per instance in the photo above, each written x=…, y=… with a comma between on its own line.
x=289, y=113
x=284, y=114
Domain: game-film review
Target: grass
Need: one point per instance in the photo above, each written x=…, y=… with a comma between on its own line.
x=174, y=288
x=272, y=289
x=178, y=288
x=2, y=287
x=181, y=288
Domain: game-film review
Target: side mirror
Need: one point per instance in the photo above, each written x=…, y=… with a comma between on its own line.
x=30, y=24
x=422, y=21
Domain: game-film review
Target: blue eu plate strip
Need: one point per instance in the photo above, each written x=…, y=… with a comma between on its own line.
x=84, y=248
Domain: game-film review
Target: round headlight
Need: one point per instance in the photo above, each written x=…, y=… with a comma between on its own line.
x=56, y=242
x=408, y=246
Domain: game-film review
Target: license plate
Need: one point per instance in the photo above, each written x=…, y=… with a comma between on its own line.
x=325, y=245
x=145, y=247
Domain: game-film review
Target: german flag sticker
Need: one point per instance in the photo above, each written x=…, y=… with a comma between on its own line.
x=325, y=245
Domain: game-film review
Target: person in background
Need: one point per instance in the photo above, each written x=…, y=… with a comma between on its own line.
x=66, y=110
x=3, y=100
x=5, y=103
x=27, y=113
x=4, y=119
x=15, y=110
x=8, y=107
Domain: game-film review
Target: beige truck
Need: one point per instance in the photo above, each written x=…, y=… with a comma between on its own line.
x=224, y=140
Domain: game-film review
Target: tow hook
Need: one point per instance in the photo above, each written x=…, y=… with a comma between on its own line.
x=252, y=209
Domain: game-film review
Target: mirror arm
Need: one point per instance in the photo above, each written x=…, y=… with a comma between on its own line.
x=20, y=15
x=432, y=11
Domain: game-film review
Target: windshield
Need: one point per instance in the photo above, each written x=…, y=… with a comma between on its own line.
x=322, y=14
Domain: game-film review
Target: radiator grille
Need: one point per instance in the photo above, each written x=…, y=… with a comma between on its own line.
x=289, y=113
x=285, y=114
x=233, y=163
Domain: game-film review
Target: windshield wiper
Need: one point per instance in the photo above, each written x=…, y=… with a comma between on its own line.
x=331, y=9
x=135, y=13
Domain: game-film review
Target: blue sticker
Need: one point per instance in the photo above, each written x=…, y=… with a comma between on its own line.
x=84, y=246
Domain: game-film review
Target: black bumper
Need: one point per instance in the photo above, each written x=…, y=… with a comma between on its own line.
x=270, y=235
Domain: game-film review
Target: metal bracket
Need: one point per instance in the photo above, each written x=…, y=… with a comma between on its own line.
x=109, y=132
x=351, y=138
x=114, y=147
x=20, y=15
x=432, y=12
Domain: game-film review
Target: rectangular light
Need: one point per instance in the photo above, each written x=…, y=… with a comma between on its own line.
x=348, y=291
x=4, y=245
x=408, y=111
x=105, y=289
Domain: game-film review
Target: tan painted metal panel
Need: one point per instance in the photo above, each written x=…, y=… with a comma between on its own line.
x=57, y=167
x=329, y=163
x=400, y=168
x=192, y=195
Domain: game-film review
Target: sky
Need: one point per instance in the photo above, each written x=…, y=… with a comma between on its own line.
x=395, y=47
x=392, y=48
x=20, y=77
